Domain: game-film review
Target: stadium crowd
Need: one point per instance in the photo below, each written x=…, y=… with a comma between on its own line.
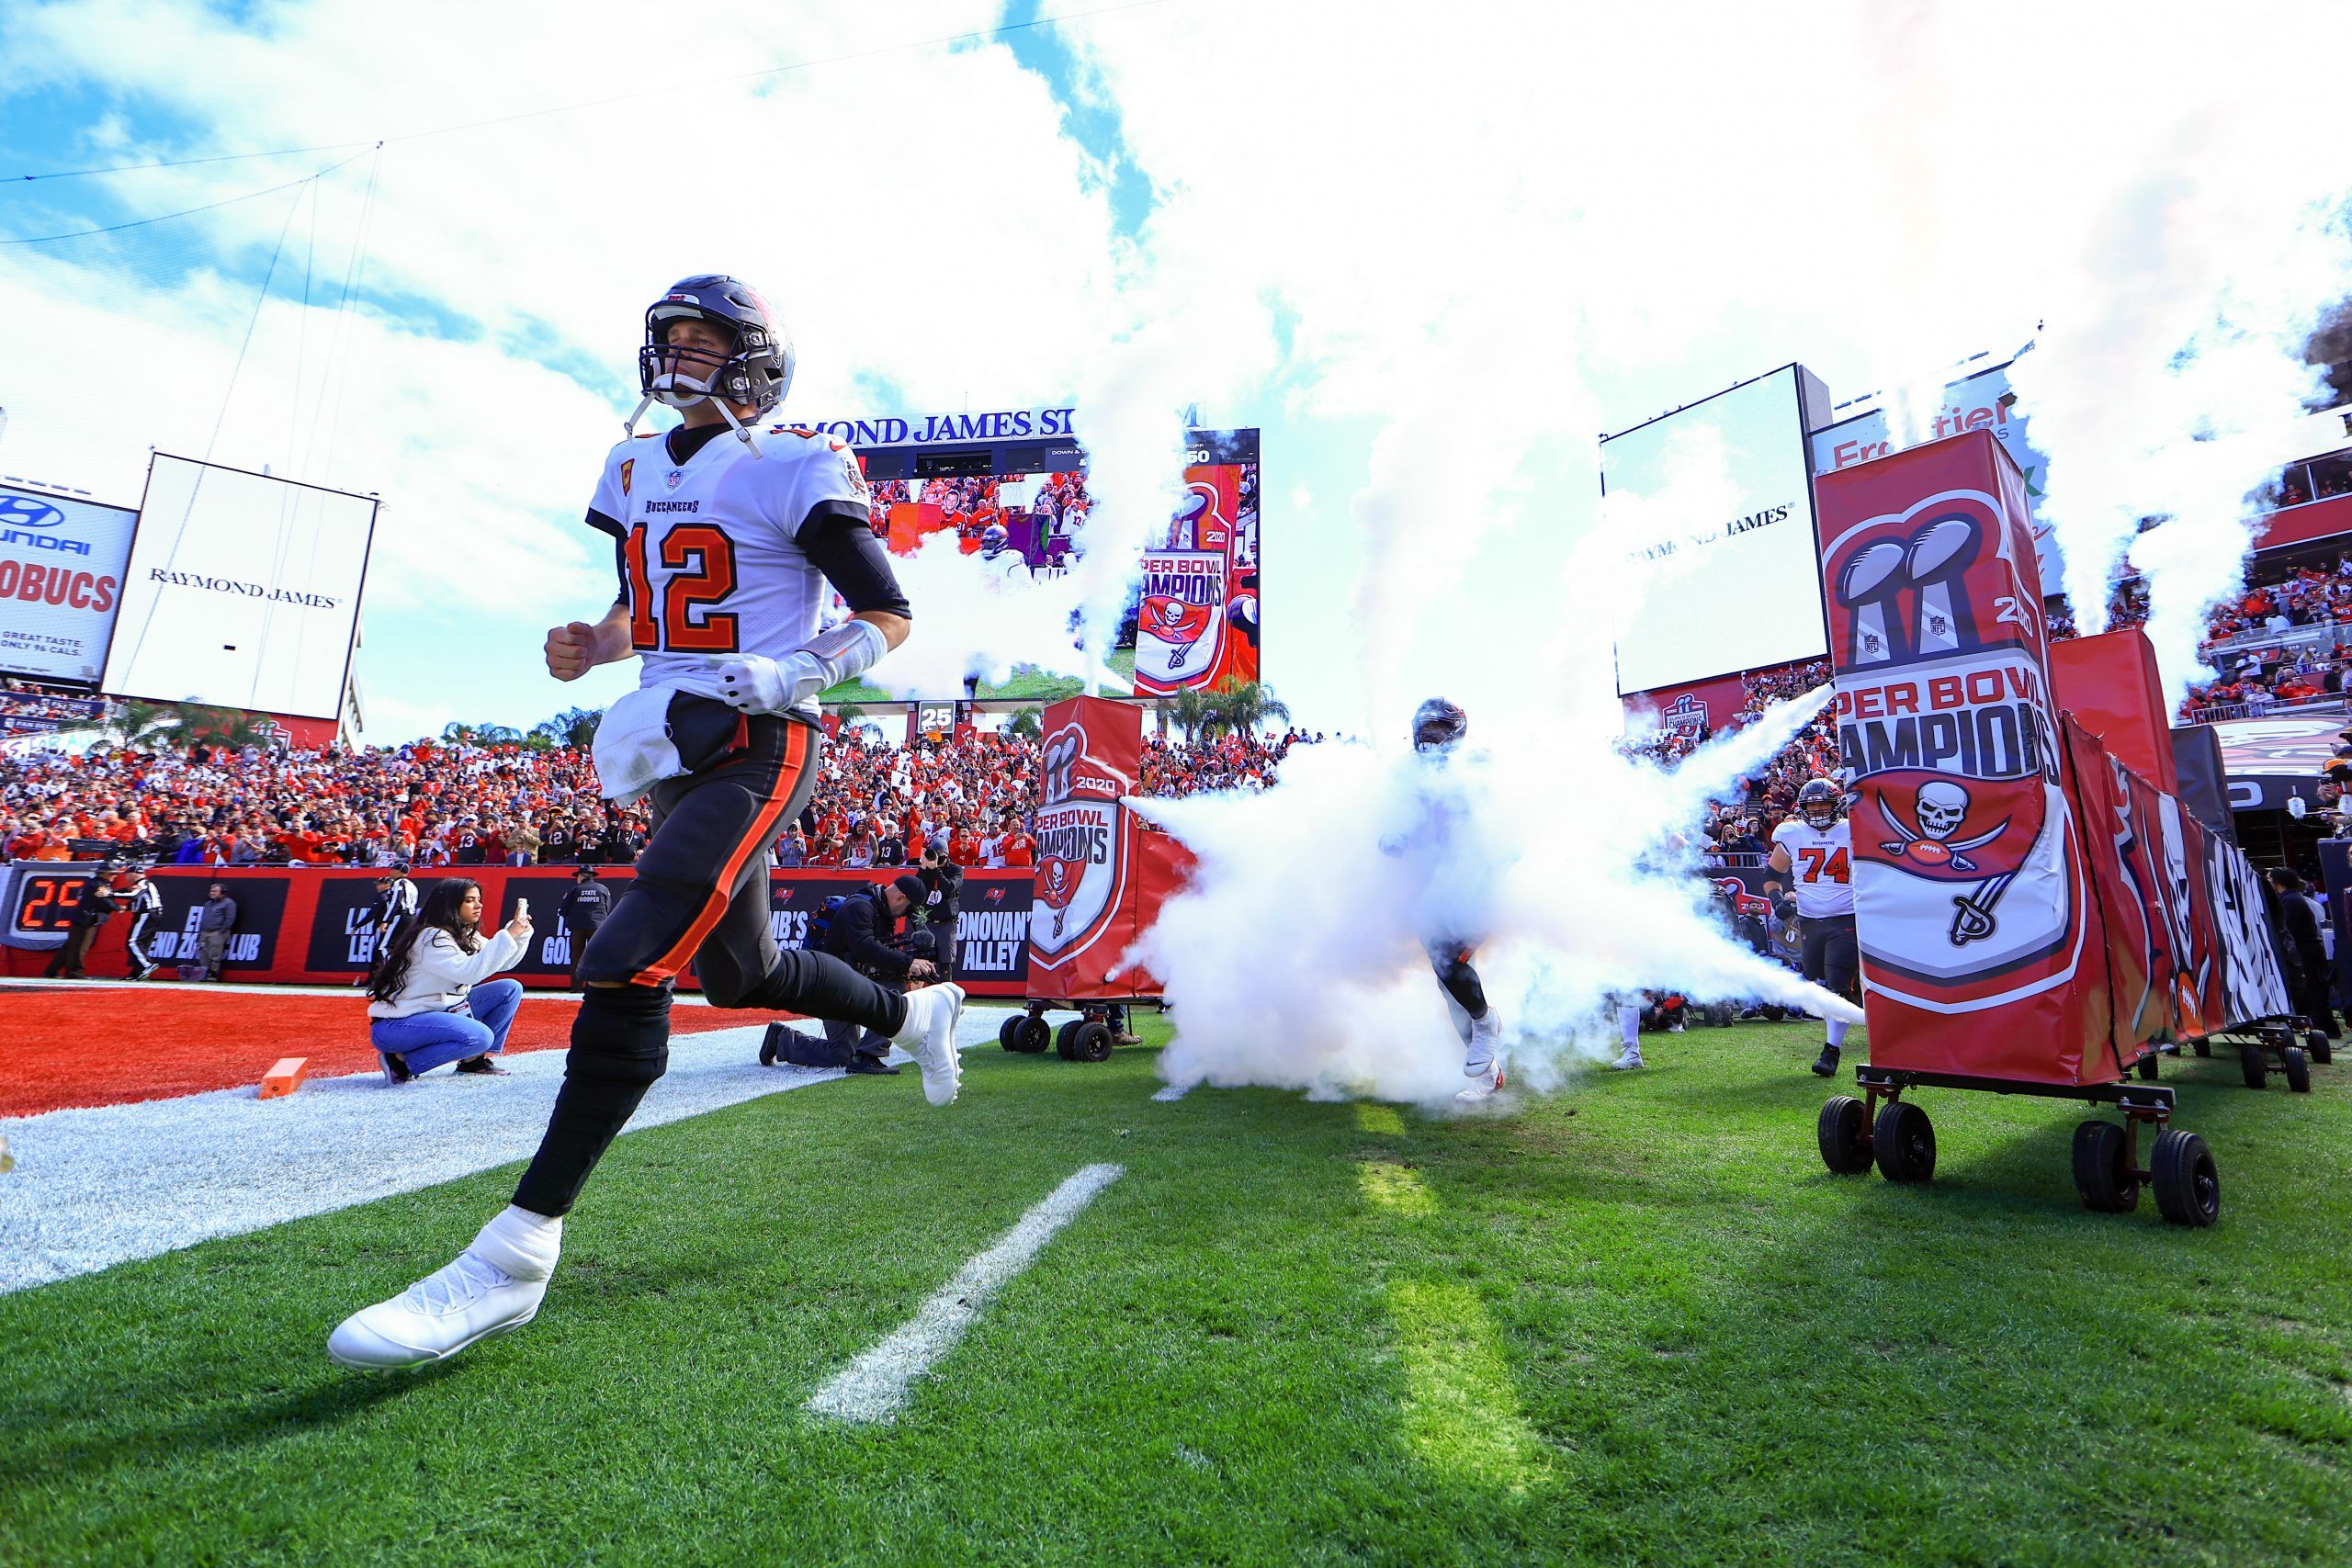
x=432, y=804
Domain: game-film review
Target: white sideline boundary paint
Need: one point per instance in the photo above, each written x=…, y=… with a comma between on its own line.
x=871, y=1390
x=1173, y=1091
x=103, y=1185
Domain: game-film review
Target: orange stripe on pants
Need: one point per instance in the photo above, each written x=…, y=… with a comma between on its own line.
x=787, y=777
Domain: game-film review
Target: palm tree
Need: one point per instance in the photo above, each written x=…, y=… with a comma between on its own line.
x=1191, y=711
x=233, y=727
x=575, y=728
x=1246, y=705
x=1028, y=724
x=148, y=724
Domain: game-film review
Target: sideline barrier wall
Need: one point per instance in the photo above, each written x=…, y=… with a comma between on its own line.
x=309, y=926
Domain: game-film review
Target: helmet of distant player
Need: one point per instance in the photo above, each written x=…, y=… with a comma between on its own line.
x=757, y=366
x=993, y=540
x=1818, y=804
x=1438, y=726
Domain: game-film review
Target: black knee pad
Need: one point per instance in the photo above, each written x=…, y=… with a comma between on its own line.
x=1461, y=983
x=622, y=1036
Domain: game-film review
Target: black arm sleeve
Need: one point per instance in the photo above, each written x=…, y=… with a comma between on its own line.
x=603, y=524
x=839, y=542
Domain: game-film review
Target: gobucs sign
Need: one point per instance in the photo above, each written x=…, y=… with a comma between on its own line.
x=1180, y=626
x=1968, y=876
x=1082, y=864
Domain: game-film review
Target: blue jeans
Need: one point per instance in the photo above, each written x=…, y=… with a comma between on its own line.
x=429, y=1040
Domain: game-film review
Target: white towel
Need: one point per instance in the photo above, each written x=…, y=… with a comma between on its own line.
x=633, y=749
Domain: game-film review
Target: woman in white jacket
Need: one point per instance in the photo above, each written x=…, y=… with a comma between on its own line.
x=431, y=1000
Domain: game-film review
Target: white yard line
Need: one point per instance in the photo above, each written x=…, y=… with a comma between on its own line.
x=872, y=1389
x=95, y=1187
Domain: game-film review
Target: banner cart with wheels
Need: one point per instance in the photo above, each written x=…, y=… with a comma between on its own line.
x=2035, y=915
x=1102, y=872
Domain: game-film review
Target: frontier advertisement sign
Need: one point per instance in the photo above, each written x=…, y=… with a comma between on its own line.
x=1981, y=401
x=62, y=562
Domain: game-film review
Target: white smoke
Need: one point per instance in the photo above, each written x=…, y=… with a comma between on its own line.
x=973, y=620
x=2169, y=383
x=1294, y=958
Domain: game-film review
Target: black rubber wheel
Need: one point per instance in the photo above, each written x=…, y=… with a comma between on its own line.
x=1906, y=1142
x=1031, y=1035
x=2323, y=1049
x=1090, y=1042
x=2188, y=1190
x=2203, y=1047
x=2147, y=1066
x=1005, y=1033
x=2250, y=1063
x=2297, y=1066
x=1844, y=1149
x=2103, y=1172
x=1062, y=1037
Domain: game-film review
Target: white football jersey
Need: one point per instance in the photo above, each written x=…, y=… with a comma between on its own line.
x=1008, y=564
x=1821, y=864
x=713, y=559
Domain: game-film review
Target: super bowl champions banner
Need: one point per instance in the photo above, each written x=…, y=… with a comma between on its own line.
x=1970, y=889
x=2028, y=907
x=1196, y=623
x=1102, y=872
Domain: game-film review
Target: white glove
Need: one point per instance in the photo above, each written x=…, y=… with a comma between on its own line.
x=753, y=682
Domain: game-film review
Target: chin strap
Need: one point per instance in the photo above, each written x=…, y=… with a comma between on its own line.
x=657, y=394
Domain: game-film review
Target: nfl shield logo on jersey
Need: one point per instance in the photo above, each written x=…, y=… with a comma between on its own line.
x=676, y=478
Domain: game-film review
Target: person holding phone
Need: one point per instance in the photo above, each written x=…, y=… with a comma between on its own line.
x=431, y=997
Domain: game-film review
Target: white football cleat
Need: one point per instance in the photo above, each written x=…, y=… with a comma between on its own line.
x=494, y=1286
x=929, y=1036
x=1632, y=1058
x=1483, y=1086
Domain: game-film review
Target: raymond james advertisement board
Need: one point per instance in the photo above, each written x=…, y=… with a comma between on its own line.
x=1716, y=502
x=61, y=578
x=243, y=592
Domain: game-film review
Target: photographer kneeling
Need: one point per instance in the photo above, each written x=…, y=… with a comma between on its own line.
x=431, y=1000
x=858, y=928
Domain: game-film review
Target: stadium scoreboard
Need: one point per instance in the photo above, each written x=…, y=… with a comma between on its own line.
x=1192, y=621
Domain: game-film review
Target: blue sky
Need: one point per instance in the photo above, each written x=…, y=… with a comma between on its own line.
x=1431, y=263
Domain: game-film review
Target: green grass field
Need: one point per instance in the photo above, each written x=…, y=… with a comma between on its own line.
x=1637, y=1324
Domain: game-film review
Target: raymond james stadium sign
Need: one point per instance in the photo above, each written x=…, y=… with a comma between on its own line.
x=998, y=424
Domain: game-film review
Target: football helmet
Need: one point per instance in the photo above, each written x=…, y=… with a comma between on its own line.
x=1818, y=804
x=1438, y=726
x=757, y=371
x=993, y=540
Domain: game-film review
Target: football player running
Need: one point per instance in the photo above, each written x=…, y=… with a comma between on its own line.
x=727, y=541
x=1816, y=845
x=1001, y=559
x=1438, y=730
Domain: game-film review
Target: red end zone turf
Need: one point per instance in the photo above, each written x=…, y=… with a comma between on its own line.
x=75, y=1046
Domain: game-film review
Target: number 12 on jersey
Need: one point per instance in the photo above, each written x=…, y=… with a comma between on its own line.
x=700, y=561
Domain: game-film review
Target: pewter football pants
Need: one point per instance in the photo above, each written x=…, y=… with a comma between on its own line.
x=701, y=895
